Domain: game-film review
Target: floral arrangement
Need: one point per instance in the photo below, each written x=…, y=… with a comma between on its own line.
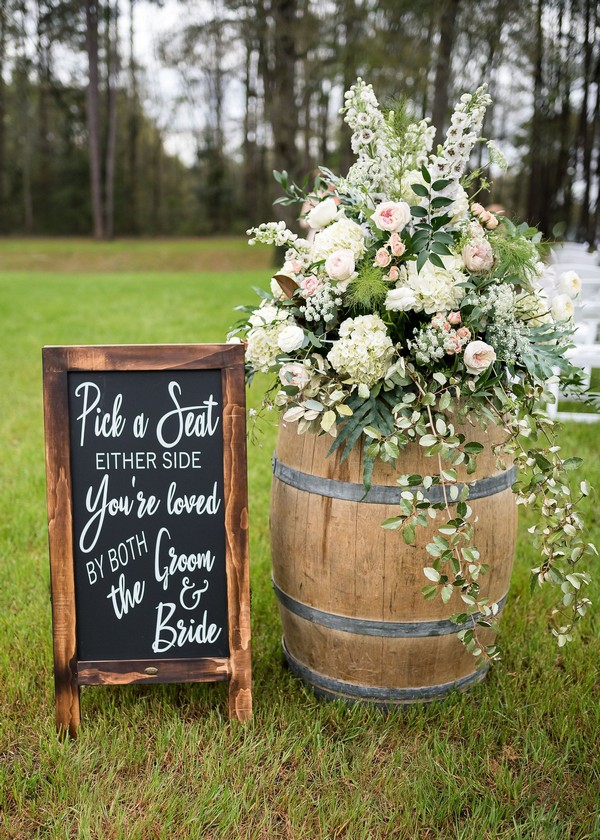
x=409, y=307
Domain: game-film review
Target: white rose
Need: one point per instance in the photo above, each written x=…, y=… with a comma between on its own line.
x=478, y=356
x=290, y=338
x=562, y=308
x=400, y=300
x=295, y=374
x=340, y=265
x=569, y=283
x=322, y=214
x=478, y=255
x=392, y=215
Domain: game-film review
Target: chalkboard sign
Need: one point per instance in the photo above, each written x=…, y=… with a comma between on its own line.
x=147, y=511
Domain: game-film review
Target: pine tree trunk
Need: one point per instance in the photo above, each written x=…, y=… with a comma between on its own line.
x=277, y=62
x=594, y=216
x=563, y=180
x=42, y=163
x=132, y=128
x=443, y=65
x=350, y=22
x=428, y=53
x=93, y=114
x=3, y=39
x=535, y=143
x=284, y=115
x=249, y=143
x=585, y=133
x=112, y=69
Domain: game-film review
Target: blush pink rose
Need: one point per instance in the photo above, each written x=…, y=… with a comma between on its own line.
x=478, y=256
x=463, y=332
x=478, y=357
x=392, y=215
x=309, y=285
x=485, y=217
x=393, y=273
x=452, y=345
x=382, y=258
x=396, y=245
x=476, y=209
x=340, y=265
x=492, y=222
x=295, y=374
x=296, y=266
x=454, y=318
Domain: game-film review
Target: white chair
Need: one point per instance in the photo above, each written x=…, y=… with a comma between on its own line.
x=587, y=357
x=576, y=254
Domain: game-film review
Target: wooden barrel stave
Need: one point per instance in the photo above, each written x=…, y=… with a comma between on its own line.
x=331, y=555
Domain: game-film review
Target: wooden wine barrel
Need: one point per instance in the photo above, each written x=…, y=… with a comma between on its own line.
x=355, y=623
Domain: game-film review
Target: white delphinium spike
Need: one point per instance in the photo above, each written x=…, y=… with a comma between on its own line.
x=465, y=125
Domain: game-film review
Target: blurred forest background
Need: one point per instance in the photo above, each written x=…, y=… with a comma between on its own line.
x=82, y=153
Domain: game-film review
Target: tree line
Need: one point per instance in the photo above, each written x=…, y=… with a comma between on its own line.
x=261, y=83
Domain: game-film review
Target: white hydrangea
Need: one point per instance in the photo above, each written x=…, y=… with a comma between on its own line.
x=266, y=314
x=262, y=348
x=435, y=288
x=270, y=336
x=341, y=234
x=363, y=350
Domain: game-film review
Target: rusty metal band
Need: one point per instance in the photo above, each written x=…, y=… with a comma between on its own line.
x=383, y=494
x=331, y=689
x=369, y=627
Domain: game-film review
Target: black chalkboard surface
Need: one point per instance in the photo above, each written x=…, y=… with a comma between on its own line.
x=147, y=512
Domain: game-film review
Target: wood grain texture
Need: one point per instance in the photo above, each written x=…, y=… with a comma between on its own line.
x=236, y=534
x=138, y=357
x=60, y=537
x=215, y=669
x=69, y=673
x=334, y=556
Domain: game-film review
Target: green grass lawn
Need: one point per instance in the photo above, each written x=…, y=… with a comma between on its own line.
x=515, y=758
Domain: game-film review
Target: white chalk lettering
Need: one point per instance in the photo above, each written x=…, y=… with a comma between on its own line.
x=140, y=425
x=125, y=460
x=177, y=562
x=124, y=599
x=187, y=420
x=166, y=636
x=99, y=506
x=194, y=503
x=129, y=549
x=181, y=460
x=195, y=592
x=90, y=567
x=106, y=424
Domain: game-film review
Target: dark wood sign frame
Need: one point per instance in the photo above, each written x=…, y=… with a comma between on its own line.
x=69, y=671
